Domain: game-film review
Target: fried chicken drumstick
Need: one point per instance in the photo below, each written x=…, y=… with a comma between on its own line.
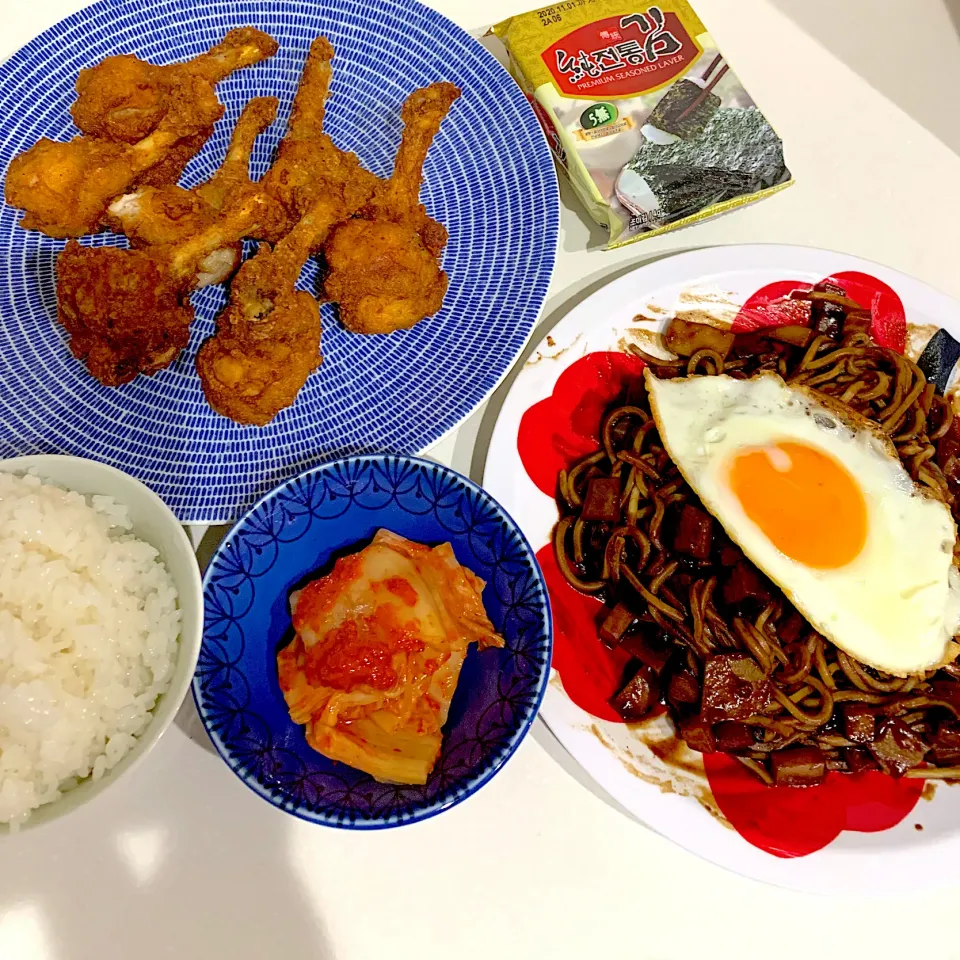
x=128, y=311
x=384, y=268
x=309, y=165
x=125, y=99
x=65, y=188
x=268, y=339
x=171, y=214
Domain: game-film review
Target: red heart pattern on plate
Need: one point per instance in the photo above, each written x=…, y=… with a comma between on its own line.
x=564, y=427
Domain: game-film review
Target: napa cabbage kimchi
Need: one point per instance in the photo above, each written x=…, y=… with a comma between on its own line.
x=379, y=644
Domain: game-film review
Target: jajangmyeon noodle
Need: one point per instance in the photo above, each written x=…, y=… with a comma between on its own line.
x=718, y=644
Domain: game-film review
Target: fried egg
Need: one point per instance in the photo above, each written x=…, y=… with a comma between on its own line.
x=818, y=499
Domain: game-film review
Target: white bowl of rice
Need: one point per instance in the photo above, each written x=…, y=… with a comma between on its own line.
x=101, y=615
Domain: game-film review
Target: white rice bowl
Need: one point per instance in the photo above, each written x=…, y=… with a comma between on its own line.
x=89, y=627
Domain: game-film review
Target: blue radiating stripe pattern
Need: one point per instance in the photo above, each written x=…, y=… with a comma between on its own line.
x=489, y=178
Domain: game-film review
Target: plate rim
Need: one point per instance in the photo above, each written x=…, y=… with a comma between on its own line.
x=475, y=783
x=821, y=872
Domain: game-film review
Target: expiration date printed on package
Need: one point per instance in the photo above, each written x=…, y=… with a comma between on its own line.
x=643, y=113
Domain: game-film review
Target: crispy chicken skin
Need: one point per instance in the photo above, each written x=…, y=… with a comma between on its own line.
x=128, y=311
x=125, y=99
x=171, y=165
x=382, y=276
x=384, y=268
x=65, y=188
x=231, y=183
x=123, y=313
x=268, y=339
x=309, y=165
x=171, y=214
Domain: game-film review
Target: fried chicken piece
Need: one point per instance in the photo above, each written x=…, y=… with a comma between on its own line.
x=65, y=187
x=152, y=215
x=128, y=311
x=231, y=183
x=171, y=214
x=308, y=163
x=384, y=268
x=268, y=339
x=123, y=315
x=125, y=99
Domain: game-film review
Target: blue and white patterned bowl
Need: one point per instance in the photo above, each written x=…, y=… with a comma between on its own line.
x=293, y=532
x=489, y=178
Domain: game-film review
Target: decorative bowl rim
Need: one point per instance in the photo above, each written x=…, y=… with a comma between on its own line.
x=449, y=798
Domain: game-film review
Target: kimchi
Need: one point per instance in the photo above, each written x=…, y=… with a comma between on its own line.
x=379, y=645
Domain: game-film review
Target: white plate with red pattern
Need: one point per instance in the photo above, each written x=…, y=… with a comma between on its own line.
x=870, y=834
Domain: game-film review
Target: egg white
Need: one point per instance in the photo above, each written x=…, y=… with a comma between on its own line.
x=896, y=606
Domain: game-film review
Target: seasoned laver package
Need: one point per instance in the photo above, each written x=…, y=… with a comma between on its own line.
x=652, y=126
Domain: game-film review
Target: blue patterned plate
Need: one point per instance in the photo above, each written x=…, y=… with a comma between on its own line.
x=489, y=178
x=293, y=532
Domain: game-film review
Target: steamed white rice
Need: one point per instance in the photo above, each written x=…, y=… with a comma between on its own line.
x=88, y=640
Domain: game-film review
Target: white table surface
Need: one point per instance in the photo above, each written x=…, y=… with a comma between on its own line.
x=183, y=861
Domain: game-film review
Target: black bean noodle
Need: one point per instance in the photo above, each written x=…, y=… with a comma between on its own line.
x=690, y=607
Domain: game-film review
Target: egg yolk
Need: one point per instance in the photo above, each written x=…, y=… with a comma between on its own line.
x=806, y=502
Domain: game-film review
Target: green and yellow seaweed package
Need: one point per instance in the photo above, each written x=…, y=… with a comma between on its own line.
x=653, y=128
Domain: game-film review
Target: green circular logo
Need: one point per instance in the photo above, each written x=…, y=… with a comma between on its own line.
x=599, y=115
